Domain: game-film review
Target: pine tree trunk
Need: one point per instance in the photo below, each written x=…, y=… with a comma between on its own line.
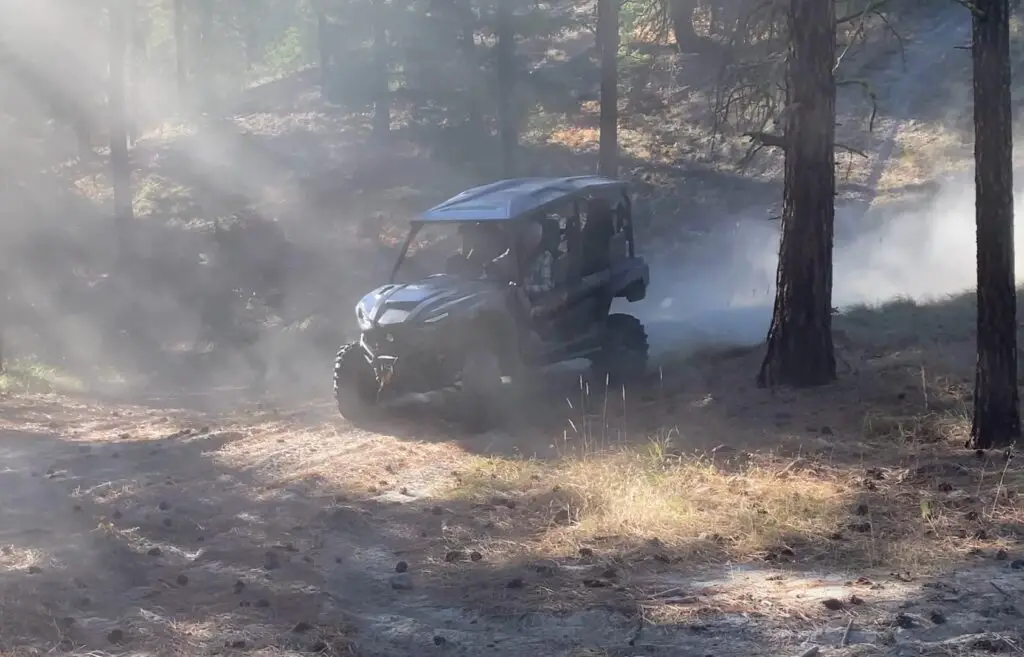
x=120, y=165
x=996, y=399
x=180, y=66
x=323, y=44
x=681, y=16
x=206, y=57
x=506, y=52
x=136, y=58
x=800, y=350
x=608, y=45
x=382, y=77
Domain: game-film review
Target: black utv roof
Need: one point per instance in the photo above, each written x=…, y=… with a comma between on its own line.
x=512, y=198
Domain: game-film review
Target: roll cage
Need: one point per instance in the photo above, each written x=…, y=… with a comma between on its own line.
x=516, y=201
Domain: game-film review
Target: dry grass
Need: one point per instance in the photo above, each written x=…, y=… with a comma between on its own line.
x=869, y=473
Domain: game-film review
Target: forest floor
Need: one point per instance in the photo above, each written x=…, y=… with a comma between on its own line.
x=695, y=514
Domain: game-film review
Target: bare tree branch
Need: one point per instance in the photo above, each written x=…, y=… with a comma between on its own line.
x=871, y=8
x=770, y=140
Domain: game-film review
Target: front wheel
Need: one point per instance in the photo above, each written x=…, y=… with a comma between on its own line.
x=355, y=383
x=624, y=352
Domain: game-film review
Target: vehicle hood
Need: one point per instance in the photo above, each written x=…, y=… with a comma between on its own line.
x=422, y=300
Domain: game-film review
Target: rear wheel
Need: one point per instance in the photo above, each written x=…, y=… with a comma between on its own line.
x=355, y=383
x=624, y=353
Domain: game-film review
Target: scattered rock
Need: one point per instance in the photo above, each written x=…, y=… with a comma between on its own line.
x=904, y=621
x=401, y=582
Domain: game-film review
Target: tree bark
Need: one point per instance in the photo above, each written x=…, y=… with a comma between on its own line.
x=120, y=164
x=180, y=65
x=608, y=45
x=323, y=45
x=381, y=73
x=800, y=351
x=136, y=58
x=996, y=399
x=681, y=16
x=506, y=52
x=205, y=75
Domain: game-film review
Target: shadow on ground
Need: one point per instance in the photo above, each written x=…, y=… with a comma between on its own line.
x=130, y=528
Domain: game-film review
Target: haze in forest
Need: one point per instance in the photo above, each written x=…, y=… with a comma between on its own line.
x=59, y=248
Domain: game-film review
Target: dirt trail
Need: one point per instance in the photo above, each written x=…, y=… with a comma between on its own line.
x=170, y=531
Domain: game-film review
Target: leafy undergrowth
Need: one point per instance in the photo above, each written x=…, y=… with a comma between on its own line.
x=35, y=377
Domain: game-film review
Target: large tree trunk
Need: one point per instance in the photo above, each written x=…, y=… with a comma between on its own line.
x=800, y=350
x=507, y=124
x=137, y=57
x=323, y=44
x=206, y=48
x=681, y=17
x=996, y=401
x=180, y=46
x=120, y=165
x=608, y=46
x=381, y=74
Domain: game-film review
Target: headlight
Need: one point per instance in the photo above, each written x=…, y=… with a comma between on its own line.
x=363, y=318
x=393, y=316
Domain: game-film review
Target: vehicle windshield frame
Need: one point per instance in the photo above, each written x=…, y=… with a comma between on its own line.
x=417, y=225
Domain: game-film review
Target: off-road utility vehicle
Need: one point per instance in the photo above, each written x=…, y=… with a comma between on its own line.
x=470, y=326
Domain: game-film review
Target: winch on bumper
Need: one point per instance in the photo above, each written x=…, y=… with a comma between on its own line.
x=407, y=358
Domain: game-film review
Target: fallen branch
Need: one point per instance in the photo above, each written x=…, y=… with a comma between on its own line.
x=846, y=635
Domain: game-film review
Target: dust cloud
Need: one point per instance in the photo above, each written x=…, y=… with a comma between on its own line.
x=721, y=293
